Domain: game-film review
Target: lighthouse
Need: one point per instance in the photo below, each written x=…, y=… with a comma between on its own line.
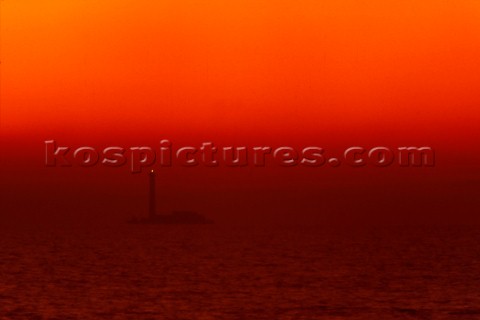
x=176, y=217
x=151, y=200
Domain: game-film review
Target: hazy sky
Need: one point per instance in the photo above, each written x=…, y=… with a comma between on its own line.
x=327, y=73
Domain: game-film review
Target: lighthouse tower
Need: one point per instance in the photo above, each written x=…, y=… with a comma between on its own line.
x=151, y=200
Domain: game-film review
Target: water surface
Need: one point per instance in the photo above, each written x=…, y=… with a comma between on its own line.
x=220, y=272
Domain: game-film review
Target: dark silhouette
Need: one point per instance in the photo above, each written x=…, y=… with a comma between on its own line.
x=176, y=217
x=152, y=200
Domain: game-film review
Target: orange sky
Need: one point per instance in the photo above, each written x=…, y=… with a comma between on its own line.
x=329, y=73
x=249, y=67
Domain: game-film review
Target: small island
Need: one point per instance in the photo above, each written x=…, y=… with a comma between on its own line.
x=176, y=217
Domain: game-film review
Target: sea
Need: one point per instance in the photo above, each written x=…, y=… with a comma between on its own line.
x=124, y=271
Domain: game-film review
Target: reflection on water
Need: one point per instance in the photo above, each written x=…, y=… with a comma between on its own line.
x=217, y=272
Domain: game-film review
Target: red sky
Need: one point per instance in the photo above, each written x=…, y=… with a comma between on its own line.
x=328, y=73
